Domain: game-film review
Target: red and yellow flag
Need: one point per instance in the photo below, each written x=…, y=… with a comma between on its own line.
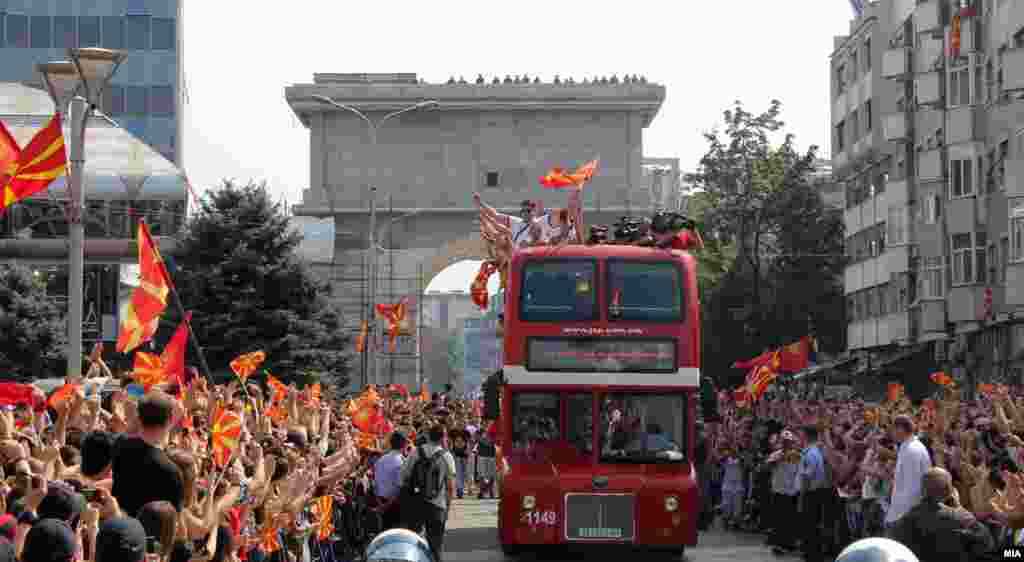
x=796, y=357
x=942, y=379
x=395, y=314
x=762, y=376
x=323, y=507
x=895, y=392
x=29, y=171
x=227, y=428
x=280, y=391
x=557, y=178
x=149, y=299
x=364, y=330
x=62, y=395
x=149, y=370
x=268, y=536
x=314, y=395
x=173, y=356
x=245, y=365
x=478, y=288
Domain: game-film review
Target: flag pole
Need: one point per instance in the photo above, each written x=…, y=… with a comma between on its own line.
x=181, y=310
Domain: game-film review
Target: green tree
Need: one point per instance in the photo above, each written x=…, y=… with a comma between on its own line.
x=240, y=276
x=33, y=325
x=787, y=262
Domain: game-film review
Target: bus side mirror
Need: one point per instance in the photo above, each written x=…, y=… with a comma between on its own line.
x=492, y=396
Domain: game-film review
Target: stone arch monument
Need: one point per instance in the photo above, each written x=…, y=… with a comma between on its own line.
x=425, y=148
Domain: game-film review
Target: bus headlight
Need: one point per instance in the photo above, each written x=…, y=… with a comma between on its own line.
x=671, y=504
x=529, y=502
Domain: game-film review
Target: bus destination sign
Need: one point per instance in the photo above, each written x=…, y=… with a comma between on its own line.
x=601, y=355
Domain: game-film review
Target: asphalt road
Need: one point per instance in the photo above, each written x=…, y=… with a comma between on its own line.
x=472, y=537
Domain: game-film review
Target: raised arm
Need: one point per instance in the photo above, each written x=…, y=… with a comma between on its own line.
x=486, y=211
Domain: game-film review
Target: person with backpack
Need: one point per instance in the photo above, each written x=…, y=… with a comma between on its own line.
x=428, y=487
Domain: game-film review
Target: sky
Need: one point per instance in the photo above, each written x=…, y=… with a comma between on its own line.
x=708, y=54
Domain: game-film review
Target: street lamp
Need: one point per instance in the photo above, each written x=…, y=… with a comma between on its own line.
x=77, y=85
x=373, y=126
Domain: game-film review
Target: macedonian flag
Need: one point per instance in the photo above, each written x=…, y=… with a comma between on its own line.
x=24, y=173
x=149, y=370
x=149, y=299
x=227, y=428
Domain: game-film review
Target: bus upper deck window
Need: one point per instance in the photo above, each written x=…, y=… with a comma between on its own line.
x=559, y=290
x=644, y=291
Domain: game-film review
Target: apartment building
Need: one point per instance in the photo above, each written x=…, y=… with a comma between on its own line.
x=928, y=138
x=146, y=95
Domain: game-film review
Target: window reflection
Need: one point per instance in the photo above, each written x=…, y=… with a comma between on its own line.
x=580, y=429
x=534, y=419
x=642, y=427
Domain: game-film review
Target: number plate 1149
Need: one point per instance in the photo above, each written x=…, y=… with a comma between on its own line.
x=540, y=518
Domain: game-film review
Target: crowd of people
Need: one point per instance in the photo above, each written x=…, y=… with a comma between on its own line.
x=942, y=475
x=127, y=476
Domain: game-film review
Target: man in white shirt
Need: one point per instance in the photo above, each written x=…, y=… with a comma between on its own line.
x=912, y=463
x=387, y=480
x=534, y=225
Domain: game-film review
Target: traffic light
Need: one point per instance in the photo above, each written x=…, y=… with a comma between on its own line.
x=492, y=395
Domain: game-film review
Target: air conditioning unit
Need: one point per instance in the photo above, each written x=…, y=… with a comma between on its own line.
x=940, y=351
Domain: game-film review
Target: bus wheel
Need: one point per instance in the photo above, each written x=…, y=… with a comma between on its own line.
x=511, y=549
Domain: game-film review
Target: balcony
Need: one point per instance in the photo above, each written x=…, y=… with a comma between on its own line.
x=895, y=127
x=929, y=165
x=928, y=16
x=1013, y=70
x=928, y=90
x=1014, y=178
x=960, y=125
x=894, y=63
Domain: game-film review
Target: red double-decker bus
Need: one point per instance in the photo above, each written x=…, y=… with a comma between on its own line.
x=598, y=407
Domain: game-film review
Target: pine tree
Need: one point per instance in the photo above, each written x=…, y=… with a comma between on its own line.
x=239, y=274
x=33, y=327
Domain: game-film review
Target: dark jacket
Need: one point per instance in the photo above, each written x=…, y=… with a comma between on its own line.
x=934, y=531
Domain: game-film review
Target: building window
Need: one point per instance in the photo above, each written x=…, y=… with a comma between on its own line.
x=960, y=87
x=89, y=31
x=492, y=179
x=135, y=100
x=113, y=96
x=854, y=120
x=113, y=32
x=161, y=101
x=164, y=38
x=841, y=136
x=1017, y=234
x=1004, y=258
x=979, y=84
x=870, y=310
x=931, y=282
x=931, y=209
x=854, y=65
x=868, y=116
x=1004, y=153
x=963, y=259
x=980, y=256
x=136, y=33
x=961, y=178
x=65, y=32
x=40, y=35
x=17, y=31
x=841, y=79
x=867, y=55
x=993, y=264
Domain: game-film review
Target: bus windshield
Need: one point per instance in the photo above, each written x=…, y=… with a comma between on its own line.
x=644, y=291
x=559, y=290
x=643, y=427
x=534, y=418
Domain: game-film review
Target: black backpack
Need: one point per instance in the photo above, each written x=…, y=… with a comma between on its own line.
x=429, y=475
x=485, y=448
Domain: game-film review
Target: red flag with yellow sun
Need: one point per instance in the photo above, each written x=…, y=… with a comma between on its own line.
x=245, y=365
x=227, y=428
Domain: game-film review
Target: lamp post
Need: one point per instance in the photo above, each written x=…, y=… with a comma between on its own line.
x=77, y=85
x=373, y=126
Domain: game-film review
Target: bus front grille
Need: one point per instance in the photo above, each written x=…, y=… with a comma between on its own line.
x=600, y=517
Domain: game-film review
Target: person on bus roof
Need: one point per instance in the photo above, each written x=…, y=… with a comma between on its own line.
x=534, y=225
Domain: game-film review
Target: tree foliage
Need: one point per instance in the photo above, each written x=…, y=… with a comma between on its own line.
x=785, y=279
x=33, y=327
x=239, y=274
